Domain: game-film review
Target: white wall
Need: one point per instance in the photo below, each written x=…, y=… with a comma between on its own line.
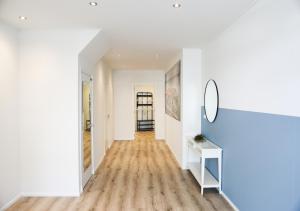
x=191, y=95
x=109, y=106
x=49, y=132
x=93, y=52
x=256, y=62
x=174, y=137
x=9, y=118
x=39, y=149
x=124, y=82
x=191, y=101
x=103, y=111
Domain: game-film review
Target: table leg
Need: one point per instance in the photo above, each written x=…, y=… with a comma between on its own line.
x=202, y=174
x=220, y=173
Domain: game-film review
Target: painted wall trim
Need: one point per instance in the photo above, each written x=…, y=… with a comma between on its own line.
x=94, y=169
x=11, y=202
x=36, y=194
x=50, y=194
x=125, y=139
x=176, y=159
x=100, y=161
x=229, y=201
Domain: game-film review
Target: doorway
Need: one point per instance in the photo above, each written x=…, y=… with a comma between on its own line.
x=86, y=128
x=144, y=100
x=144, y=111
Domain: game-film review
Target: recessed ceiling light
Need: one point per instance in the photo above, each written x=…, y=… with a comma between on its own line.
x=176, y=5
x=93, y=3
x=23, y=18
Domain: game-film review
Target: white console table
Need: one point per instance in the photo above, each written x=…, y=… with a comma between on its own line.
x=205, y=150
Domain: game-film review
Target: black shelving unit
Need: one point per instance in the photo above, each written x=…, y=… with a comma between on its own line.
x=144, y=111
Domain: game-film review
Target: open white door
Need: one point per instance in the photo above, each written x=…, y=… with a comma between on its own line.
x=86, y=128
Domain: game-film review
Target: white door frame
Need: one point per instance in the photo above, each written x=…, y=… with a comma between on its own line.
x=85, y=176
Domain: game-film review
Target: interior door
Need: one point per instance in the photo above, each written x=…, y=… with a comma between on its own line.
x=86, y=128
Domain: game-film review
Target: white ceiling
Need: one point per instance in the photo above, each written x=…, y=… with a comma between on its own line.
x=144, y=33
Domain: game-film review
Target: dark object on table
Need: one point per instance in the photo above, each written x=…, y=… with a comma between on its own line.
x=199, y=138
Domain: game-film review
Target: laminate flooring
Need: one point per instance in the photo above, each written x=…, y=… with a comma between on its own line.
x=139, y=175
x=87, y=155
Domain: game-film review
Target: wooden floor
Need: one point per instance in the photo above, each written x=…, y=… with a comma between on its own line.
x=87, y=155
x=135, y=175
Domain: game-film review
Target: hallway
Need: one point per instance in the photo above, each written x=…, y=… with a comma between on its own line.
x=135, y=175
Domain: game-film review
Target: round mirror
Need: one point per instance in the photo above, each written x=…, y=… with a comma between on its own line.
x=211, y=100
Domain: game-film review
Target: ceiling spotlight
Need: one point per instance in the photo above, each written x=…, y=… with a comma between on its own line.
x=23, y=18
x=93, y=3
x=176, y=5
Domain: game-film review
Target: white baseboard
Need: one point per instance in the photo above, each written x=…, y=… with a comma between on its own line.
x=117, y=140
x=11, y=202
x=109, y=146
x=102, y=158
x=184, y=167
x=38, y=194
x=229, y=201
x=174, y=155
x=99, y=162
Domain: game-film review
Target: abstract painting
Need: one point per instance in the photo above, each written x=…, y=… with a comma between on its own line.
x=173, y=91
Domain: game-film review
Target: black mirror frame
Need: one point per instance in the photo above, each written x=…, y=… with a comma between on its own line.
x=217, y=100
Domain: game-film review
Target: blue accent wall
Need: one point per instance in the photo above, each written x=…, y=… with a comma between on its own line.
x=261, y=158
